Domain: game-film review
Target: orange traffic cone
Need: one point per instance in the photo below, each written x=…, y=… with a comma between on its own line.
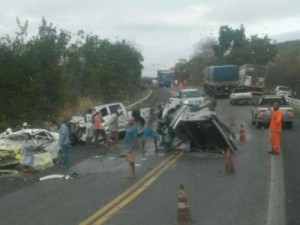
x=242, y=135
x=231, y=121
x=229, y=164
x=184, y=215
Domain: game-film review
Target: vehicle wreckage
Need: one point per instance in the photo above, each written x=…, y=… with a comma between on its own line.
x=196, y=125
x=11, y=148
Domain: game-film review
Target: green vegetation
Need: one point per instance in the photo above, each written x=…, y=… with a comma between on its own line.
x=232, y=47
x=285, y=69
x=50, y=73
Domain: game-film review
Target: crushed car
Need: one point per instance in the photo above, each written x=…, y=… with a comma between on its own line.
x=11, y=146
x=197, y=125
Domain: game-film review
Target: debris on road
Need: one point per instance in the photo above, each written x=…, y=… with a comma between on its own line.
x=53, y=176
x=59, y=176
x=9, y=173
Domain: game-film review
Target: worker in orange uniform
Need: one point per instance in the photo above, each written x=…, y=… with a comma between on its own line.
x=275, y=128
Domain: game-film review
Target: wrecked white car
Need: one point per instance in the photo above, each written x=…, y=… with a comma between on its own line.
x=11, y=145
x=197, y=125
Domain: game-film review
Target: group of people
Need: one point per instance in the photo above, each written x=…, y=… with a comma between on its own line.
x=137, y=130
x=94, y=127
x=180, y=84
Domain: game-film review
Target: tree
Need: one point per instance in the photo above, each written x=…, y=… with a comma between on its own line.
x=229, y=39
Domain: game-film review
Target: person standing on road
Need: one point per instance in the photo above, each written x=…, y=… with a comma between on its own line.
x=98, y=120
x=114, y=127
x=64, y=142
x=89, y=126
x=275, y=128
x=28, y=147
x=129, y=144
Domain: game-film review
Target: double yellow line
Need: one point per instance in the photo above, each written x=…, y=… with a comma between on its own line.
x=131, y=193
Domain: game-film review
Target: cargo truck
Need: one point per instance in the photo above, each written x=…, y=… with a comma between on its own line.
x=220, y=80
x=165, y=78
x=252, y=75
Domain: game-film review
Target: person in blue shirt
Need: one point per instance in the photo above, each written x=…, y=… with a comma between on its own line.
x=64, y=142
x=130, y=145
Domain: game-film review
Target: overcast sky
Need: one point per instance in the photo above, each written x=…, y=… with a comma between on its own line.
x=163, y=30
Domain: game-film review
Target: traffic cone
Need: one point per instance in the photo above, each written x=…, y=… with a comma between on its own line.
x=184, y=215
x=229, y=164
x=242, y=135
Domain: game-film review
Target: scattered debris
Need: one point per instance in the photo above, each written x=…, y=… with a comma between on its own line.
x=9, y=173
x=53, y=176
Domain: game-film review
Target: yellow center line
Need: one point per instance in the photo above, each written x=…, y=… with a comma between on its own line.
x=123, y=199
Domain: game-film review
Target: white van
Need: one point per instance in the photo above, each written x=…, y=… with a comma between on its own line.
x=283, y=91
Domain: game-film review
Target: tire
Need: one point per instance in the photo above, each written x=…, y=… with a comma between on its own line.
x=258, y=125
x=289, y=125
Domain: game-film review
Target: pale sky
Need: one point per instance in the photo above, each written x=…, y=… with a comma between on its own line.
x=163, y=30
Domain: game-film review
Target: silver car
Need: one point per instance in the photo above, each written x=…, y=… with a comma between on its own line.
x=190, y=96
x=261, y=114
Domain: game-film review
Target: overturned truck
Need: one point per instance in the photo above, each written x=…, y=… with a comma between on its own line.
x=196, y=125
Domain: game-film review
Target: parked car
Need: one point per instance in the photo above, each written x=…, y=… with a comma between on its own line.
x=240, y=95
x=188, y=97
x=244, y=94
x=283, y=91
x=261, y=115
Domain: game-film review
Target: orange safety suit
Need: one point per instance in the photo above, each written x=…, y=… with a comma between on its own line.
x=275, y=130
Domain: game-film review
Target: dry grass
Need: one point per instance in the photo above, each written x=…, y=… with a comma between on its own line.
x=82, y=105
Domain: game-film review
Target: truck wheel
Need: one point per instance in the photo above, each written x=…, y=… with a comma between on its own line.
x=289, y=125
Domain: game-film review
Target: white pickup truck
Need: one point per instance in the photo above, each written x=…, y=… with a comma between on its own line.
x=78, y=124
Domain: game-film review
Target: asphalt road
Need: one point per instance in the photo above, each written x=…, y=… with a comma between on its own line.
x=214, y=197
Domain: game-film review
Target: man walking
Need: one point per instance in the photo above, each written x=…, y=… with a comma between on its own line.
x=64, y=142
x=275, y=128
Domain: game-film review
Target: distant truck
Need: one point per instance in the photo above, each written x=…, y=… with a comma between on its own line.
x=220, y=80
x=252, y=75
x=165, y=78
